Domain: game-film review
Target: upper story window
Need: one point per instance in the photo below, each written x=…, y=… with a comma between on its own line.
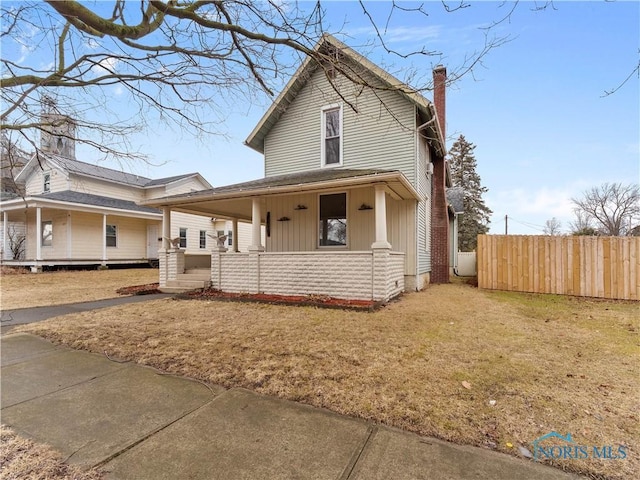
x=183, y=238
x=332, y=135
x=203, y=239
x=46, y=182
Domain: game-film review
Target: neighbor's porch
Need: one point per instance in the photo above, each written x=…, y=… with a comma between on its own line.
x=332, y=241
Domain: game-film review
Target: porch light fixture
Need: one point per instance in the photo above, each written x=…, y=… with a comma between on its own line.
x=284, y=219
x=364, y=206
x=301, y=207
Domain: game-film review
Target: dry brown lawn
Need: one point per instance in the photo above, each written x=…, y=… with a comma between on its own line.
x=22, y=459
x=59, y=287
x=532, y=363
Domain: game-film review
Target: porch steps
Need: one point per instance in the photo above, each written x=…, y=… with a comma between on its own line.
x=192, y=279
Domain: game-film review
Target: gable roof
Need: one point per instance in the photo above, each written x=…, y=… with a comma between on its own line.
x=256, y=138
x=103, y=173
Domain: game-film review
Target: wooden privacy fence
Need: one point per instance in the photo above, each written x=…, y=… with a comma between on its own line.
x=606, y=267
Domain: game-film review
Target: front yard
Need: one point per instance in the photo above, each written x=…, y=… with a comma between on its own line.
x=484, y=368
x=25, y=290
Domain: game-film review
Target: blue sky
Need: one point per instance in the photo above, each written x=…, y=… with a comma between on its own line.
x=535, y=108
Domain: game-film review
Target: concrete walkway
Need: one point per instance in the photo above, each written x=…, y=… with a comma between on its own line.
x=137, y=423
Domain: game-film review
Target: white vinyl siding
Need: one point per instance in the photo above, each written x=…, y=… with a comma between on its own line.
x=193, y=224
x=105, y=189
x=132, y=238
x=377, y=136
x=58, y=248
x=191, y=184
x=401, y=230
x=34, y=183
x=15, y=231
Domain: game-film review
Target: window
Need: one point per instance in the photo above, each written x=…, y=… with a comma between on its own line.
x=230, y=238
x=46, y=184
x=332, y=136
x=47, y=234
x=203, y=239
x=333, y=220
x=183, y=238
x=111, y=237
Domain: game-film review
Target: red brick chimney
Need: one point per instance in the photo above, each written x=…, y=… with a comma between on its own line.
x=439, y=97
x=439, y=212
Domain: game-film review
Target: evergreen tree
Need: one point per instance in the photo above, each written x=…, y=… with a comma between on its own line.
x=475, y=218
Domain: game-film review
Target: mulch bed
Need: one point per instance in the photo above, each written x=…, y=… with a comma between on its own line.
x=147, y=289
x=294, y=300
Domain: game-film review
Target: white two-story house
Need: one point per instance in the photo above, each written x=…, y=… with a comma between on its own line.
x=353, y=198
x=76, y=213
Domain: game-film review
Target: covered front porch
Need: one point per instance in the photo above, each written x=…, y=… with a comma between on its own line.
x=326, y=234
x=75, y=229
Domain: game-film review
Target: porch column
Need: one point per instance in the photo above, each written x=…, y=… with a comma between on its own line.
x=166, y=228
x=104, y=238
x=5, y=234
x=69, y=237
x=256, y=245
x=234, y=234
x=38, y=233
x=381, y=218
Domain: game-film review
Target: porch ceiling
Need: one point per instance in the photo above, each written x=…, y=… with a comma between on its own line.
x=234, y=201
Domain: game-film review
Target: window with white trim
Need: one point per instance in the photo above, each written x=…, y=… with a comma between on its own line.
x=111, y=236
x=47, y=234
x=203, y=239
x=183, y=238
x=46, y=182
x=332, y=135
x=333, y=220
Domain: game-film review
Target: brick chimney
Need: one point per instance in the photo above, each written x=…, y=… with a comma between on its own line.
x=439, y=97
x=439, y=212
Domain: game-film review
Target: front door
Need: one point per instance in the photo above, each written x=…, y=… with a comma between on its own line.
x=153, y=242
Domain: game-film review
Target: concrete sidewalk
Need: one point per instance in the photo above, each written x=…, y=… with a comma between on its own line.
x=137, y=423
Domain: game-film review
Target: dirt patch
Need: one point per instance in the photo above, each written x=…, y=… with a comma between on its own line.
x=321, y=301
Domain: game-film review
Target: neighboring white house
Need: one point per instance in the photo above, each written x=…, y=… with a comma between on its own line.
x=76, y=213
x=353, y=200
